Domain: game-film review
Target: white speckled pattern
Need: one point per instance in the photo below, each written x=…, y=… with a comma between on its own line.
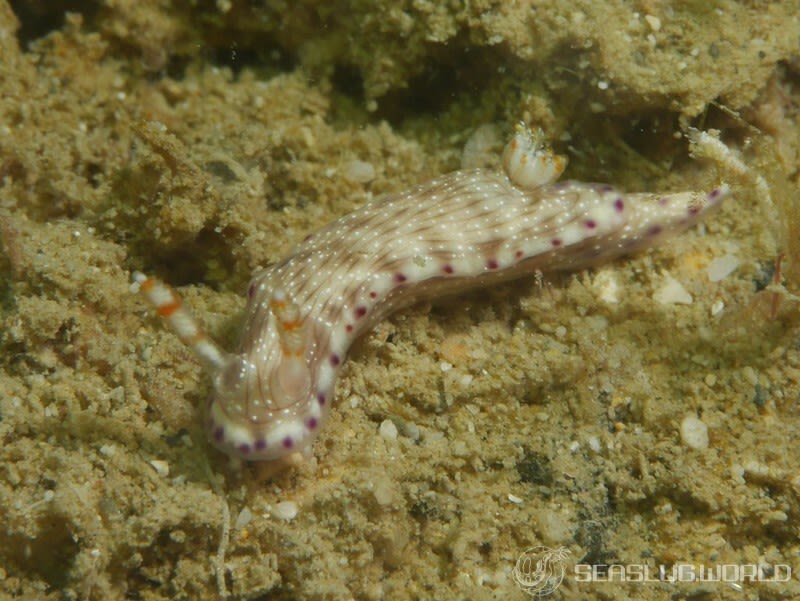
x=462, y=230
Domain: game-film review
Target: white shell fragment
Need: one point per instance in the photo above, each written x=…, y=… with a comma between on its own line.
x=245, y=517
x=722, y=267
x=285, y=510
x=672, y=292
x=694, y=432
x=388, y=430
x=383, y=493
x=161, y=467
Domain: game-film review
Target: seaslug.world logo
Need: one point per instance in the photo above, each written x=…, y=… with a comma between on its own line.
x=540, y=570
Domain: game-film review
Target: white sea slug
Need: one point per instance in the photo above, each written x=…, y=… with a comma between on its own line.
x=463, y=230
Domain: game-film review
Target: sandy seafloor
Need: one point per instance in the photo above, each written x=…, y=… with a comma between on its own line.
x=200, y=141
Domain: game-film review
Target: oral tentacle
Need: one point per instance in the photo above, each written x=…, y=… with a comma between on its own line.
x=169, y=305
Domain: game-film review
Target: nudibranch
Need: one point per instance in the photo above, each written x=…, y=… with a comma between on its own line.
x=463, y=230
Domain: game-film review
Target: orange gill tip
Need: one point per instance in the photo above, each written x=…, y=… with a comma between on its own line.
x=529, y=162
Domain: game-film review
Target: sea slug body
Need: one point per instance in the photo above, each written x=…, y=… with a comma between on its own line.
x=462, y=230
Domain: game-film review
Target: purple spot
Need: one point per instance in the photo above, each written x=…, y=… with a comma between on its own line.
x=219, y=434
x=556, y=241
x=251, y=290
x=694, y=210
x=713, y=194
x=492, y=264
x=335, y=360
x=349, y=327
x=663, y=201
x=447, y=269
x=519, y=254
x=311, y=423
x=308, y=237
x=244, y=448
x=288, y=443
x=261, y=444
x=619, y=205
x=590, y=224
x=373, y=294
x=321, y=398
x=655, y=230
x=400, y=278
x=361, y=311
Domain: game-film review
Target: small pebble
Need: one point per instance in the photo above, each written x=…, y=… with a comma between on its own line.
x=653, y=21
x=245, y=517
x=161, y=467
x=359, y=172
x=750, y=375
x=694, y=432
x=411, y=430
x=552, y=526
x=514, y=499
x=285, y=510
x=108, y=450
x=757, y=469
x=607, y=286
x=722, y=267
x=388, y=430
x=672, y=292
x=383, y=493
